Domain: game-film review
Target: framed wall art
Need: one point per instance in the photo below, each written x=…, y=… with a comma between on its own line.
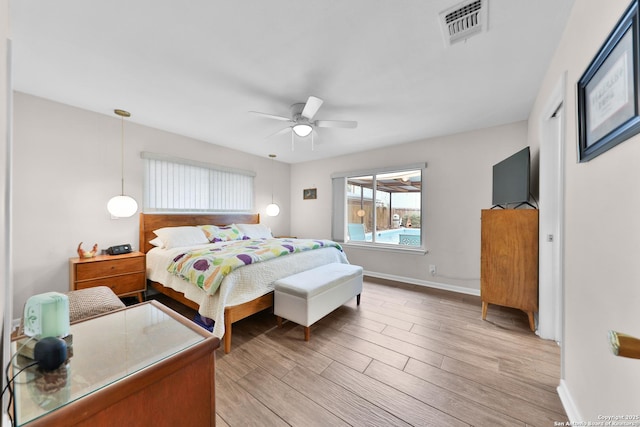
x=608, y=110
x=309, y=194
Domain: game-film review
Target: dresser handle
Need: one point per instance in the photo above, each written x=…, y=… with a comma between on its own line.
x=624, y=345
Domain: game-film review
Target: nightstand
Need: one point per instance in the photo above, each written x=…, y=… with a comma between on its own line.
x=124, y=274
x=140, y=365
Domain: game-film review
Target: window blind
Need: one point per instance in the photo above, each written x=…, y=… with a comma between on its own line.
x=173, y=184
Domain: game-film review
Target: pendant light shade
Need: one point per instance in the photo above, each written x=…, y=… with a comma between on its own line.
x=122, y=206
x=272, y=209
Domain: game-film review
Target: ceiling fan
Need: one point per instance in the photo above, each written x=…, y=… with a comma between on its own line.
x=301, y=122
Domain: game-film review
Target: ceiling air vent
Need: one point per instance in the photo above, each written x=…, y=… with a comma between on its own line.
x=463, y=21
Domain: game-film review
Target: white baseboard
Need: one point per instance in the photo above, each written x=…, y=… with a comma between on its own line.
x=568, y=404
x=428, y=284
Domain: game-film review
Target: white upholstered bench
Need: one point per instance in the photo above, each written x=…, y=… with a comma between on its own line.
x=306, y=297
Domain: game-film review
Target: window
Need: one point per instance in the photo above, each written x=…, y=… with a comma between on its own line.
x=173, y=184
x=380, y=207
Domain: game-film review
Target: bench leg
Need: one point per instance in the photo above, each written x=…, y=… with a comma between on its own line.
x=358, y=299
x=307, y=333
x=279, y=320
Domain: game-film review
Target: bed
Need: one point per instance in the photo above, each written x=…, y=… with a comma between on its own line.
x=243, y=292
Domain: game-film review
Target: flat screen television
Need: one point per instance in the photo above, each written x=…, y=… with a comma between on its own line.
x=511, y=179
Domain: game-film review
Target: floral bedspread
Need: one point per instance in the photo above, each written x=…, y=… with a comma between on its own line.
x=207, y=267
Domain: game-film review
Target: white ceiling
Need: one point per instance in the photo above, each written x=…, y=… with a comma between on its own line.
x=197, y=67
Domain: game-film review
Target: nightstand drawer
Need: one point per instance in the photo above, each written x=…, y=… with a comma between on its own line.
x=120, y=285
x=125, y=274
x=95, y=270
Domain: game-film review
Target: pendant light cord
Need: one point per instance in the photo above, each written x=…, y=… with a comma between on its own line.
x=122, y=154
x=273, y=209
x=272, y=186
x=122, y=114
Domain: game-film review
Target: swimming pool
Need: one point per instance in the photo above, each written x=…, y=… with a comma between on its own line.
x=393, y=236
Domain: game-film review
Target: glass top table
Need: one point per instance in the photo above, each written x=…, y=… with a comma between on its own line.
x=105, y=349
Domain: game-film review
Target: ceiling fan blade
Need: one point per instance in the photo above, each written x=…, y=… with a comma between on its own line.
x=280, y=132
x=311, y=107
x=336, y=124
x=271, y=116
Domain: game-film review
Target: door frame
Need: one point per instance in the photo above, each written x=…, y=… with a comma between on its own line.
x=553, y=299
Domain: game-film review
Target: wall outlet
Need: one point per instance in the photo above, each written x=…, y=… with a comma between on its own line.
x=432, y=270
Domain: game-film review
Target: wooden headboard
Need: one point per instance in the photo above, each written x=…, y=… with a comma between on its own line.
x=150, y=222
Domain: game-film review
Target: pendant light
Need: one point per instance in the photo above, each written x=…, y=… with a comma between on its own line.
x=272, y=208
x=122, y=206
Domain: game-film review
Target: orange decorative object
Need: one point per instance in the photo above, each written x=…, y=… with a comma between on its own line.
x=87, y=254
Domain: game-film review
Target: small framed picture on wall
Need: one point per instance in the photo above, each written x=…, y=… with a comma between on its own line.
x=309, y=194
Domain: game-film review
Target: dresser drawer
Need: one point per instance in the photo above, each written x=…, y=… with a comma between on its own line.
x=96, y=270
x=120, y=285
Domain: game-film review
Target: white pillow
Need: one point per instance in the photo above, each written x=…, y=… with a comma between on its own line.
x=156, y=242
x=255, y=231
x=173, y=237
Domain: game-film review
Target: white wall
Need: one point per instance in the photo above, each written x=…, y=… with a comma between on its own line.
x=457, y=186
x=67, y=166
x=602, y=231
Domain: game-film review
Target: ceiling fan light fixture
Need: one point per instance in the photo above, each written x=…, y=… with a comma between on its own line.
x=302, y=122
x=302, y=130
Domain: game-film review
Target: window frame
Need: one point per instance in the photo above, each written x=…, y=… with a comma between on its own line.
x=340, y=208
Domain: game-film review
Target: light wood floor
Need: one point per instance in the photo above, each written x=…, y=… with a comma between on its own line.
x=408, y=355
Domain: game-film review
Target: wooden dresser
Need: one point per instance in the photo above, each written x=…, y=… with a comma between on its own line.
x=140, y=365
x=509, y=260
x=124, y=274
